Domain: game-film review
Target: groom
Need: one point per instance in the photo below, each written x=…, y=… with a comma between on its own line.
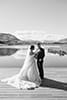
x=40, y=56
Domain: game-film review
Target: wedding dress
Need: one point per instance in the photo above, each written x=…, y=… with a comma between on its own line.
x=28, y=77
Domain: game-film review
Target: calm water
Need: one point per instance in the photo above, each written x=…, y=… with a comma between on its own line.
x=13, y=56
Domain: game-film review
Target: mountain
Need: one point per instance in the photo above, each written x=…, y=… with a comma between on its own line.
x=39, y=36
x=9, y=39
x=63, y=40
x=30, y=38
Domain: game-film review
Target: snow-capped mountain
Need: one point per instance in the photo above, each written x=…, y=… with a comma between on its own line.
x=18, y=38
x=40, y=36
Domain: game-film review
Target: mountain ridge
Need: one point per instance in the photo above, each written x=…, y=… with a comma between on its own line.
x=12, y=39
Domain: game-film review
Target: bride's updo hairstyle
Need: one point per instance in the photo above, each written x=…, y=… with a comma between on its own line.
x=32, y=47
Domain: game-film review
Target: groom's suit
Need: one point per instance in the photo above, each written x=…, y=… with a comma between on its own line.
x=40, y=57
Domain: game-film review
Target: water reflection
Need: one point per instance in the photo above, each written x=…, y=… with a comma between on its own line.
x=55, y=56
x=7, y=51
x=61, y=51
x=21, y=52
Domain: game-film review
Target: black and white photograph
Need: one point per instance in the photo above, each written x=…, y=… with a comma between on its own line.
x=33, y=49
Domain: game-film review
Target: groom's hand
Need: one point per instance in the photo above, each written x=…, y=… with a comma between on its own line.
x=40, y=59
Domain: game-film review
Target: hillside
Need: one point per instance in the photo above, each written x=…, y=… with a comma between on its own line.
x=12, y=39
x=9, y=39
x=63, y=40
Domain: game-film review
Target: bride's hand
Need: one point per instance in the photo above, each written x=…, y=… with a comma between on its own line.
x=35, y=55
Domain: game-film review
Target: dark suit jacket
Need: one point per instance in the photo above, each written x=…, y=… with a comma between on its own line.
x=40, y=55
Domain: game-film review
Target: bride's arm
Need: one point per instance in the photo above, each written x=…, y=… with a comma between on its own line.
x=33, y=54
x=36, y=51
x=36, y=54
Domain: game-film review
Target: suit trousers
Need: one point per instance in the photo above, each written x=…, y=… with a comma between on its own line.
x=40, y=68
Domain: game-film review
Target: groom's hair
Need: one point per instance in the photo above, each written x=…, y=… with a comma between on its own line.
x=32, y=47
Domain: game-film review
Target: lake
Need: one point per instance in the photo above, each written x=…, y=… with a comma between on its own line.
x=55, y=69
x=14, y=56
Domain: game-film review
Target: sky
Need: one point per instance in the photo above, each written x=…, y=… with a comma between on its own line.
x=49, y=16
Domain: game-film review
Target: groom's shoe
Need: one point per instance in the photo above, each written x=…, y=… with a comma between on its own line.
x=32, y=88
x=42, y=78
x=65, y=87
x=41, y=81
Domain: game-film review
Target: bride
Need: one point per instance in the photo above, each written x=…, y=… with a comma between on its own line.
x=28, y=77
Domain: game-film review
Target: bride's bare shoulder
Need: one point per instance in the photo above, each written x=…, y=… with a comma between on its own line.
x=31, y=53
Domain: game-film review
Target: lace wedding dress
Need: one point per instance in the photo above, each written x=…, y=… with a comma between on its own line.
x=28, y=77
